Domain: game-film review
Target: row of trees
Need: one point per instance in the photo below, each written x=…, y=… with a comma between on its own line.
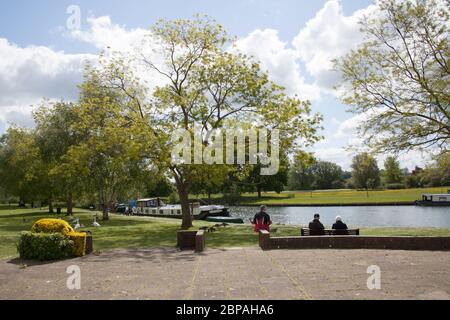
x=118, y=136
x=307, y=173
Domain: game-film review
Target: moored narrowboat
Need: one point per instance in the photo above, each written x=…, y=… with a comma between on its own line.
x=155, y=207
x=438, y=200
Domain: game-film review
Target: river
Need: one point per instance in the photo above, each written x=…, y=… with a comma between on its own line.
x=382, y=216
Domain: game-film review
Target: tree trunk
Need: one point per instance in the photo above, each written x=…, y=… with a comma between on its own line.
x=259, y=192
x=105, y=209
x=70, y=204
x=185, y=206
x=50, y=205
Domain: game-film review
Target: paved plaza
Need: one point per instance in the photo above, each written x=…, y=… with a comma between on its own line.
x=235, y=273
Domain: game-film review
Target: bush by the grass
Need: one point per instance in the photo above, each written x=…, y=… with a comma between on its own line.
x=44, y=246
x=79, y=243
x=395, y=186
x=52, y=226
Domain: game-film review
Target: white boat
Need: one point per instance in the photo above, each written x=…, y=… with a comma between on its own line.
x=155, y=207
x=440, y=200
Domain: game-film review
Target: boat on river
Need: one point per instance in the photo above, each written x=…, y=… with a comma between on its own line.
x=434, y=200
x=155, y=207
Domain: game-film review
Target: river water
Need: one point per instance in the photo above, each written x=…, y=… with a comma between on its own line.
x=382, y=216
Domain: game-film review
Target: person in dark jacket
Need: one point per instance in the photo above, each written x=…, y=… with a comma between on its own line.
x=262, y=220
x=340, y=228
x=339, y=225
x=316, y=227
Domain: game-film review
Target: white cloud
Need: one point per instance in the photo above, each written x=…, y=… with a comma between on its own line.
x=329, y=35
x=280, y=61
x=103, y=34
x=31, y=73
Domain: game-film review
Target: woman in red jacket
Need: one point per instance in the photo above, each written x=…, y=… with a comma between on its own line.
x=262, y=220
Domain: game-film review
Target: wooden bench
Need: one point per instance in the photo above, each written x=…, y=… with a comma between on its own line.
x=305, y=232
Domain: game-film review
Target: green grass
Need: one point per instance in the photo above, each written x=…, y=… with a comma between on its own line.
x=337, y=196
x=144, y=232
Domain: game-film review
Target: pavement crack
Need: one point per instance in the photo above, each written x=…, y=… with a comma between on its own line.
x=194, y=278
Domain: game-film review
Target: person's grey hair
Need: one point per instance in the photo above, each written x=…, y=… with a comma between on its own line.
x=338, y=218
x=263, y=208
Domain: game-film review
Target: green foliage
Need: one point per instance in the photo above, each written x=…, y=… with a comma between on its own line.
x=44, y=246
x=158, y=187
x=173, y=198
x=22, y=169
x=327, y=175
x=300, y=177
x=307, y=173
x=434, y=175
x=399, y=78
x=365, y=172
x=392, y=171
x=395, y=186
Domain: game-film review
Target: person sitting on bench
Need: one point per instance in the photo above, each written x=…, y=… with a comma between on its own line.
x=339, y=225
x=316, y=227
x=340, y=228
x=262, y=220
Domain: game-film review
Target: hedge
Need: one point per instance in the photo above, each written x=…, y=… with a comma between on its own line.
x=79, y=243
x=51, y=239
x=52, y=226
x=44, y=246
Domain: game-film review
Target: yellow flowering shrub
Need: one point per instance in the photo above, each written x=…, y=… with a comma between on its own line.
x=79, y=243
x=52, y=226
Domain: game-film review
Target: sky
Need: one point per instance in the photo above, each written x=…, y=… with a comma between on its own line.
x=42, y=51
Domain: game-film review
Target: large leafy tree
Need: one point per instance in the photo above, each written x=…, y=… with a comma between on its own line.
x=110, y=156
x=254, y=181
x=300, y=177
x=365, y=171
x=400, y=77
x=208, y=86
x=392, y=171
x=326, y=175
x=23, y=172
x=55, y=134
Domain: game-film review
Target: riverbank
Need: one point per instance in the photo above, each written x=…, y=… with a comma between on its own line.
x=306, y=205
x=329, y=198
x=145, y=232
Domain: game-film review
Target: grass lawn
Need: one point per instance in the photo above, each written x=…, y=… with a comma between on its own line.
x=141, y=232
x=338, y=196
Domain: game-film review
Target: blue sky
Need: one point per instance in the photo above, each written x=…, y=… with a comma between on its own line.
x=28, y=22
x=295, y=40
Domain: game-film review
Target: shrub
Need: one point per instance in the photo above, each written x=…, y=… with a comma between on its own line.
x=395, y=186
x=44, y=246
x=79, y=243
x=52, y=226
x=174, y=198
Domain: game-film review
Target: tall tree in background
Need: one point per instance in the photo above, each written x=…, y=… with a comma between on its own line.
x=365, y=172
x=400, y=77
x=392, y=171
x=23, y=172
x=110, y=157
x=327, y=175
x=300, y=177
x=55, y=134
